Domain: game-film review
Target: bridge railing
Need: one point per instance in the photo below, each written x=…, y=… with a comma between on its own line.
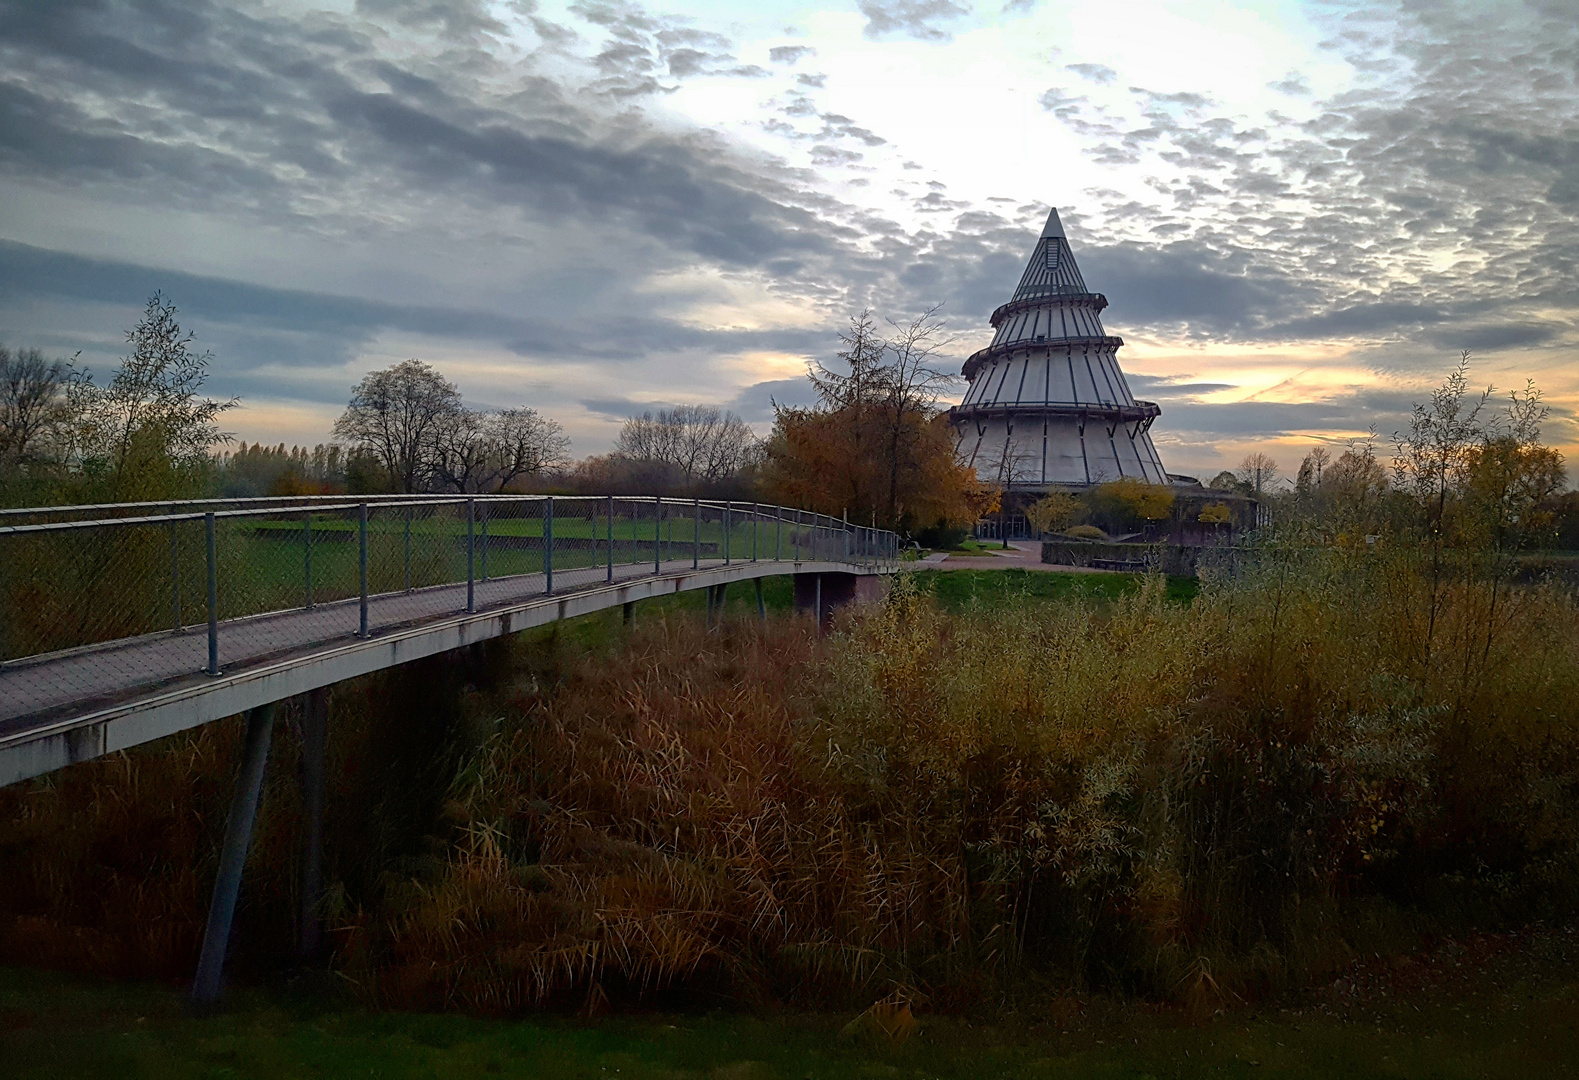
x=241, y=579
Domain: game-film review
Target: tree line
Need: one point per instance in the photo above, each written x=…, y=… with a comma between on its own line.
x=874, y=448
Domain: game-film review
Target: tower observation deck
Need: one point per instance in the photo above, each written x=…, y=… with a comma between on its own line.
x=1048, y=406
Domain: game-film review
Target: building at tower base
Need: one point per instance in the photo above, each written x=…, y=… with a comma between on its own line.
x=1048, y=406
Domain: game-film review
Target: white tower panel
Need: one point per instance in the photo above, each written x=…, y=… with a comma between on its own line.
x=1048, y=405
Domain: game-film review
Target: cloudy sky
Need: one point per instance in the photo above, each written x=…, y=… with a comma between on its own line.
x=1299, y=211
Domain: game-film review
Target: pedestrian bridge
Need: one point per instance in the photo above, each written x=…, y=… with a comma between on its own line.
x=129, y=622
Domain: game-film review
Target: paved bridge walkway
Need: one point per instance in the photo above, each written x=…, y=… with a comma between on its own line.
x=78, y=703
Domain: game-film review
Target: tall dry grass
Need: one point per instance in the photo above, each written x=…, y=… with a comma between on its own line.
x=1143, y=795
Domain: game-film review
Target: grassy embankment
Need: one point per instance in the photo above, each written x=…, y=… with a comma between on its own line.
x=1512, y=1019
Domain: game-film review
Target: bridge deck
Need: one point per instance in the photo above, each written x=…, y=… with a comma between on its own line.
x=72, y=705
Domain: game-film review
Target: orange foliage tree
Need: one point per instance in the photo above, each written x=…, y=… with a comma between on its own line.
x=876, y=445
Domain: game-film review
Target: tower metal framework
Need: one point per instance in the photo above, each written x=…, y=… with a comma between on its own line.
x=1048, y=405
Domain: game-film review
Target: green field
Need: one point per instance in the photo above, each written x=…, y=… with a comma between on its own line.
x=957, y=589
x=1508, y=1023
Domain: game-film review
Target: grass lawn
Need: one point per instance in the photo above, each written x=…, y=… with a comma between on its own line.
x=1510, y=1024
x=977, y=547
x=956, y=589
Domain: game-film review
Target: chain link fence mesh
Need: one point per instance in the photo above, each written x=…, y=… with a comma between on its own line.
x=99, y=600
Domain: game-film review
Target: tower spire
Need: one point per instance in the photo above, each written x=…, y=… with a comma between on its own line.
x=1048, y=405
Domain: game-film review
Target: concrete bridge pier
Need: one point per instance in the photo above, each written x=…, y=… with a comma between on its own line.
x=233, y=855
x=314, y=733
x=312, y=729
x=822, y=594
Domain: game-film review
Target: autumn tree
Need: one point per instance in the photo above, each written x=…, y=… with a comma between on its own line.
x=875, y=445
x=1129, y=502
x=1473, y=480
x=1054, y=512
x=395, y=415
x=1311, y=470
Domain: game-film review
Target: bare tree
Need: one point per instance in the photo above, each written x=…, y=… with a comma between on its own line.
x=397, y=415
x=911, y=387
x=704, y=443
x=33, y=407
x=1439, y=447
x=478, y=451
x=1258, y=472
x=1311, y=470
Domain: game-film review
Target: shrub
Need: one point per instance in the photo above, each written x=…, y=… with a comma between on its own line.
x=1085, y=532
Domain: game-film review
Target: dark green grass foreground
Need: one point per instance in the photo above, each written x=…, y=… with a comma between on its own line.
x=58, y=1026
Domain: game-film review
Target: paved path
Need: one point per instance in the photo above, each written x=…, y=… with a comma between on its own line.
x=1022, y=555
x=39, y=689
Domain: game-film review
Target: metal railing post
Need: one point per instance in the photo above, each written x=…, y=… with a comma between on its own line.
x=696, y=537
x=795, y=535
x=756, y=509
x=657, y=535
x=361, y=558
x=778, y=533
x=548, y=546
x=175, y=577
x=307, y=555
x=727, y=505
x=471, y=555
x=213, y=594
x=408, y=548
x=482, y=537
x=610, y=577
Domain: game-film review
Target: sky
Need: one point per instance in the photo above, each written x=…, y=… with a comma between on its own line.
x=1300, y=212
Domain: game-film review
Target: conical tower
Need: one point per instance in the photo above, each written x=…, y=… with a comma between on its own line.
x=1048, y=405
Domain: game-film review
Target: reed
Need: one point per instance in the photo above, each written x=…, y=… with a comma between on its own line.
x=1195, y=802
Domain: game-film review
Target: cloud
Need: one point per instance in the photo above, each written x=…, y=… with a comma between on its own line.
x=252, y=327
x=755, y=403
x=1293, y=84
x=1170, y=386
x=1495, y=337
x=1097, y=73
x=790, y=54
x=913, y=18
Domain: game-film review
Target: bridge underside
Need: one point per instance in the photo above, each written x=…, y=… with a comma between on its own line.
x=73, y=706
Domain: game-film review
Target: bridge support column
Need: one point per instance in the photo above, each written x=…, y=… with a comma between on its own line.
x=314, y=736
x=233, y=855
x=762, y=608
x=822, y=594
x=628, y=611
